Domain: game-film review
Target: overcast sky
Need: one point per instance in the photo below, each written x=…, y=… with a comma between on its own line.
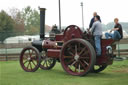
x=71, y=10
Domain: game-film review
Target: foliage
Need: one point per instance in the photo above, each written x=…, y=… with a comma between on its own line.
x=31, y=20
x=19, y=22
x=6, y=26
x=26, y=21
x=12, y=74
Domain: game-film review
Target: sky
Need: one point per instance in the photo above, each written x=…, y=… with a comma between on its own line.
x=71, y=10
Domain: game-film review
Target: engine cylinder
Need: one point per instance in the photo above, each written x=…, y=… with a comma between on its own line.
x=49, y=44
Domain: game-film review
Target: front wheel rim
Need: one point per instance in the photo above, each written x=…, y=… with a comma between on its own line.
x=29, y=59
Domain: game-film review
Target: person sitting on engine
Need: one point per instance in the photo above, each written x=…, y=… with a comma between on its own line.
x=96, y=30
x=118, y=34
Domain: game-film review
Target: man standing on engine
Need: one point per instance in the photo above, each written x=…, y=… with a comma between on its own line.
x=96, y=30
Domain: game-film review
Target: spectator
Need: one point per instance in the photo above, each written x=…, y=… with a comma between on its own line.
x=118, y=33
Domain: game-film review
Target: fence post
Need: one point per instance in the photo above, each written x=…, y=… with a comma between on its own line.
x=6, y=51
x=118, y=49
x=119, y=58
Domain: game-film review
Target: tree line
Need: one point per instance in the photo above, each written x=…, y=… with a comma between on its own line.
x=19, y=22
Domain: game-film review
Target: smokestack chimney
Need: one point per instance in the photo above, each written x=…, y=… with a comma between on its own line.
x=42, y=23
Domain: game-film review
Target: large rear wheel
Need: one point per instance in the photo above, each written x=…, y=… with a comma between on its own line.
x=30, y=59
x=77, y=57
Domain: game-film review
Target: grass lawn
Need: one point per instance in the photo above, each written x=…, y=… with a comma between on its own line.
x=12, y=74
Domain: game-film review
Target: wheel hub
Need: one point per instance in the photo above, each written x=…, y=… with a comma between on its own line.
x=76, y=57
x=29, y=59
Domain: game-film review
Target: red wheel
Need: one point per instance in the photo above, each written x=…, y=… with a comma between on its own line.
x=30, y=59
x=47, y=63
x=77, y=57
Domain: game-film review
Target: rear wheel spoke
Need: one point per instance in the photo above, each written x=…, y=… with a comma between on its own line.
x=75, y=69
x=82, y=65
x=79, y=46
x=85, y=53
x=68, y=57
x=76, y=48
x=79, y=68
x=71, y=53
x=82, y=51
x=73, y=63
x=84, y=58
x=70, y=61
x=85, y=62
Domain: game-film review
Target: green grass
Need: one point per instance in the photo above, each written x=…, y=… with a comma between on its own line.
x=12, y=74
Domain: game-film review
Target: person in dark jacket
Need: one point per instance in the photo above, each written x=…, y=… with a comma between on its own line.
x=93, y=20
x=55, y=29
x=118, y=33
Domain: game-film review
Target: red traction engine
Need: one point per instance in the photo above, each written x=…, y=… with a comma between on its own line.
x=73, y=48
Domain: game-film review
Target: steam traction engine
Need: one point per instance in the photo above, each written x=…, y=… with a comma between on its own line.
x=73, y=49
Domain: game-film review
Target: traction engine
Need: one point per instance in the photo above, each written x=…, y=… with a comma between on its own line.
x=73, y=48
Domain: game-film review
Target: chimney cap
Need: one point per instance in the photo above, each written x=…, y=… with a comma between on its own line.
x=42, y=9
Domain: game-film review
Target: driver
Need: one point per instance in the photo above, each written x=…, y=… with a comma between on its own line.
x=96, y=30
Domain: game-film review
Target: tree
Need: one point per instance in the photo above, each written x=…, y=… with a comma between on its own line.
x=31, y=20
x=18, y=19
x=6, y=26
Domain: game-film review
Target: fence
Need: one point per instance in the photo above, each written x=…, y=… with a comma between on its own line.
x=12, y=51
x=122, y=48
x=11, y=43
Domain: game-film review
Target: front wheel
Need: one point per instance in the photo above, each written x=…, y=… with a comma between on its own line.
x=30, y=59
